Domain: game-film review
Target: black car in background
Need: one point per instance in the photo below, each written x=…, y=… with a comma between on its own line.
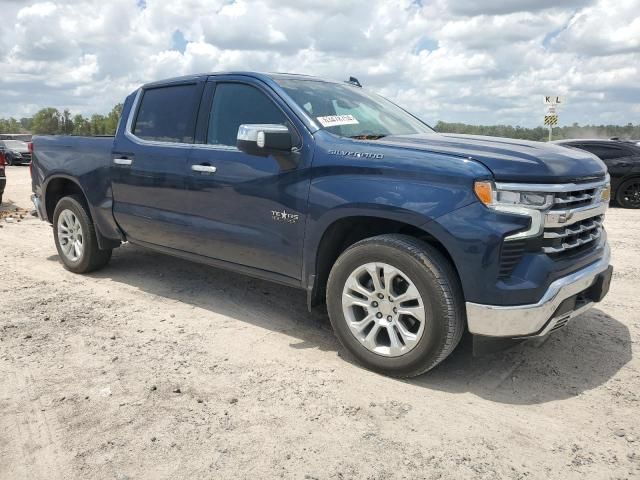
x=623, y=161
x=15, y=152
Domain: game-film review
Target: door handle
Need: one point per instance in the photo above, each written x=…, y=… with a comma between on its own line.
x=122, y=161
x=203, y=168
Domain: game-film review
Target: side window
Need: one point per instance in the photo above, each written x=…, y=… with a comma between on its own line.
x=604, y=152
x=167, y=114
x=235, y=104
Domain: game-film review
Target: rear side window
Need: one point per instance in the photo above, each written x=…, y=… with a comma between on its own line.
x=168, y=114
x=604, y=152
x=235, y=104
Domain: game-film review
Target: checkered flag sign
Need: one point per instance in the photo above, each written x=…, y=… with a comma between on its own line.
x=551, y=120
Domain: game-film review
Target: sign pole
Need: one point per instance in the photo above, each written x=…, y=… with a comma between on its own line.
x=552, y=102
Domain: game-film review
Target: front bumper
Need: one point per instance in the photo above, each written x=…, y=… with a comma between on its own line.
x=561, y=302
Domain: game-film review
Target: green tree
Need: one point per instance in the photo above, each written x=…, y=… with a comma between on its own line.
x=112, y=119
x=46, y=121
x=98, y=124
x=81, y=125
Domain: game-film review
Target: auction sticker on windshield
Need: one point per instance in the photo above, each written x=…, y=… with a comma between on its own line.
x=335, y=120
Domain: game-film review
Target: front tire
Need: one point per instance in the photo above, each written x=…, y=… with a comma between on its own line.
x=628, y=194
x=396, y=304
x=75, y=237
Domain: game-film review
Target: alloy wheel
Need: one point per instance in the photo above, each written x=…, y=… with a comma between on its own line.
x=70, y=235
x=383, y=309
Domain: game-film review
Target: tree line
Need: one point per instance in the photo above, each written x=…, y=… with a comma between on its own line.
x=541, y=134
x=50, y=121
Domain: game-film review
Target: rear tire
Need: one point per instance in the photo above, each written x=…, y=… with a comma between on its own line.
x=413, y=336
x=75, y=237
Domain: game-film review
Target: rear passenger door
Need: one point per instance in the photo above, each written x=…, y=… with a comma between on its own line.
x=149, y=165
x=248, y=210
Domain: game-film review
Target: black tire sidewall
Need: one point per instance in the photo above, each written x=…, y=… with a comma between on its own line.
x=620, y=193
x=89, y=241
x=429, y=347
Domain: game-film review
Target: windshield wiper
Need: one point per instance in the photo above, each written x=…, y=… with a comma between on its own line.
x=367, y=137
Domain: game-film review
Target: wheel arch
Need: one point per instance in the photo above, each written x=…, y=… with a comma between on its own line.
x=59, y=186
x=342, y=232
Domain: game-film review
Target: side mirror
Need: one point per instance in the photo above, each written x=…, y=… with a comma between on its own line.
x=264, y=139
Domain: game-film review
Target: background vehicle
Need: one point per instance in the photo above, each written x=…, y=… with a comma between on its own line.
x=409, y=236
x=3, y=178
x=15, y=152
x=622, y=159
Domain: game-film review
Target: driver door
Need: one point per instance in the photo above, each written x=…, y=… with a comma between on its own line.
x=239, y=201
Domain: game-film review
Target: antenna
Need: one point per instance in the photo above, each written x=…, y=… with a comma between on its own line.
x=354, y=81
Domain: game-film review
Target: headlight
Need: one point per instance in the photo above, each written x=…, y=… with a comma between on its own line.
x=605, y=193
x=494, y=198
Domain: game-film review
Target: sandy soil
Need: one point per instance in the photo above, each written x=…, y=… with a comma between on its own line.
x=160, y=368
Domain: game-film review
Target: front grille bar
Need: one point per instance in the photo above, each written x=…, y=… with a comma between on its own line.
x=578, y=242
x=568, y=232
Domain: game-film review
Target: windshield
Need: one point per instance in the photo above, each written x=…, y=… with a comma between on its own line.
x=15, y=144
x=350, y=111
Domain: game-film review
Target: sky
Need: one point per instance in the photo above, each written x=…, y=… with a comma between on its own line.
x=471, y=61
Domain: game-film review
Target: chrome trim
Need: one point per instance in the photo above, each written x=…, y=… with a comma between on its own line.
x=249, y=131
x=563, y=218
x=128, y=130
x=551, y=187
x=536, y=226
x=122, y=161
x=562, y=320
x=573, y=199
x=568, y=231
x=550, y=217
x=203, y=168
x=529, y=320
x=37, y=205
x=577, y=243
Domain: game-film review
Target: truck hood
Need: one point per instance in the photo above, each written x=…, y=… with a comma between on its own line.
x=508, y=159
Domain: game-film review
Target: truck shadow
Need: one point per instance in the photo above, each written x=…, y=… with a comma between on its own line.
x=584, y=355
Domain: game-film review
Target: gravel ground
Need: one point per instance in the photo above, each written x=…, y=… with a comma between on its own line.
x=160, y=368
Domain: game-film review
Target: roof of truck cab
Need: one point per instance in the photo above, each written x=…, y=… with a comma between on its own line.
x=257, y=75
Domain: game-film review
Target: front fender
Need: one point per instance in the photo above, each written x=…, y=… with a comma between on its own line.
x=413, y=202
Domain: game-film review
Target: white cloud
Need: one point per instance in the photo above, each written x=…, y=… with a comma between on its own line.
x=454, y=60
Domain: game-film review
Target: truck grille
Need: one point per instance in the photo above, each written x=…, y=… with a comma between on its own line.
x=574, y=222
x=571, y=225
x=578, y=198
x=557, y=240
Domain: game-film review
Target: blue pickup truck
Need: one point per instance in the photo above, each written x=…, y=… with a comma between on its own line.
x=408, y=236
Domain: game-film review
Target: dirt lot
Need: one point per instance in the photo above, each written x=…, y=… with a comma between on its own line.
x=160, y=368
